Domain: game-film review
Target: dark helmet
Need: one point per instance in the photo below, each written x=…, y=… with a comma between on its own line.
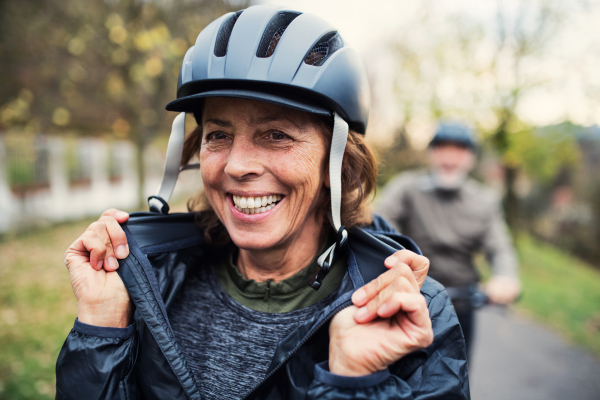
x=277, y=55
x=455, y=133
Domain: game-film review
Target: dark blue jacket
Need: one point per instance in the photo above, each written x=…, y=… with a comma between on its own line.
x=144, y=361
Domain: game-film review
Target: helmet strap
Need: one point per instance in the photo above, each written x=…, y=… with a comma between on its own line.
x=336, y=156
x=159, y=202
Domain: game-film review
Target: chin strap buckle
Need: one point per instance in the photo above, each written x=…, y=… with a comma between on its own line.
x=325, y=260
x=158, y=205
x=316, y=280
x=342, y=238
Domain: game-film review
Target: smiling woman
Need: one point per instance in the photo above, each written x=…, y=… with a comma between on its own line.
x=280, y=283
x=359, y=167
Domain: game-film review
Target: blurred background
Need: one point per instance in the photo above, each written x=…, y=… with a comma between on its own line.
x=83, y=85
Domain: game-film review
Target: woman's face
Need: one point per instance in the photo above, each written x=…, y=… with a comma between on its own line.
x=259, y=152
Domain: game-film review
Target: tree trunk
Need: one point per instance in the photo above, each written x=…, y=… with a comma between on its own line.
x=140, y=148
x=511, y=202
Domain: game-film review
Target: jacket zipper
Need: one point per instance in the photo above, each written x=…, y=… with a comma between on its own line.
x=298, y=346
x=268, y=290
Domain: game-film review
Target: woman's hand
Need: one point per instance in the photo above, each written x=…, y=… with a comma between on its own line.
x=92, y=264
x=392, y=321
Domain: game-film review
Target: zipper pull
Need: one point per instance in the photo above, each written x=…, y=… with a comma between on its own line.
x=268, y=291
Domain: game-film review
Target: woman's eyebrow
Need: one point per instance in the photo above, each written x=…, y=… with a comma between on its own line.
x=274, y=118
x=254, y=121
x=220, y=122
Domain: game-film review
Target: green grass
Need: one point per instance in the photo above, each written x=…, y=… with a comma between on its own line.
x=561, y=291
x=37, y=309
x=37, y=306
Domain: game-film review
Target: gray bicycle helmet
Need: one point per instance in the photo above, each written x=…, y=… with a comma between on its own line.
x=456, y=133
x=276, y=55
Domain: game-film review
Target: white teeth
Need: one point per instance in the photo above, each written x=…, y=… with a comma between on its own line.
x=255, y=205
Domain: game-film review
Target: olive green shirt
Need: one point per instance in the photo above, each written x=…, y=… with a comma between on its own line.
x=287, y=295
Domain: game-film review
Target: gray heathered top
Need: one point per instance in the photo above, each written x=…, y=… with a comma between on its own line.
x=228, y=346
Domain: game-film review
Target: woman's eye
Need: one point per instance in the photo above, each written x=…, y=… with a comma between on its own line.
x=215, y=136
x=276, y=135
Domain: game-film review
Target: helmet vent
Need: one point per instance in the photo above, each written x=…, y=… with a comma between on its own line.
x=324, y=48
x=273, y=33
x=224, y=34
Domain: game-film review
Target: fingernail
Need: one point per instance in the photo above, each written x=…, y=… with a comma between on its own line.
x=382, y=309
x=122, y=251
x=361, y=313
x=392, y=261
x=360, y=296
x=121, y=215
x=112, y=263
x=99, y=265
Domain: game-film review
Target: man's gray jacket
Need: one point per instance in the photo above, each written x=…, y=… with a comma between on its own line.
x=450, y=226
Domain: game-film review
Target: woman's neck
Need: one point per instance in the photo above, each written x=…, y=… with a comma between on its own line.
x=283, y=261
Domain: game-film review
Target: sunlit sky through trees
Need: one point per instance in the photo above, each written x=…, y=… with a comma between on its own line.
x=561, y=78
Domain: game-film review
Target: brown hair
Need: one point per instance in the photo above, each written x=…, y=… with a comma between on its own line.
x=359, y=174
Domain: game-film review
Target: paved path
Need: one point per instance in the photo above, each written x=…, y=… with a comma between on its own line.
x=517, y=359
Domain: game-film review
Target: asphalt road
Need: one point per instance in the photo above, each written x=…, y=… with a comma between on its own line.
x=517, y=359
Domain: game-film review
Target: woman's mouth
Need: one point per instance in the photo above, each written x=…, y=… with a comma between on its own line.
x=256, y=205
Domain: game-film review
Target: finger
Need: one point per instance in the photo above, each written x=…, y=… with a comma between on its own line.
x=419, y=265
x=111, y=233
x=76, y=254
x=419, y=336
x=413, y=305
x=387, y=297
x=363, y=295
x=96, y=249
x=100, y=229
x=120, y=216
x=117, y=237
x=369, y=312
x=406, y=272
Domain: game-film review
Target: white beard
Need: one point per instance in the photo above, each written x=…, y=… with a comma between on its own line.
x=449, y=181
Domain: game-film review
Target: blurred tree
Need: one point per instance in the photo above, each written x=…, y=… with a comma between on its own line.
x=542, y=153
x=458, y=67
x=522, y=34
x=97, y=66
x=398, y=155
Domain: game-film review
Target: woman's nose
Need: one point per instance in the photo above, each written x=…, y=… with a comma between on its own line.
x=244, y=161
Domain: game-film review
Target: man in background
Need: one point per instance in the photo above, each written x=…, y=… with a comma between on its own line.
x=451, y=217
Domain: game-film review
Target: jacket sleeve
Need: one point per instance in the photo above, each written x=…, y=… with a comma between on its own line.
x=97, y=363
x=437, y=372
